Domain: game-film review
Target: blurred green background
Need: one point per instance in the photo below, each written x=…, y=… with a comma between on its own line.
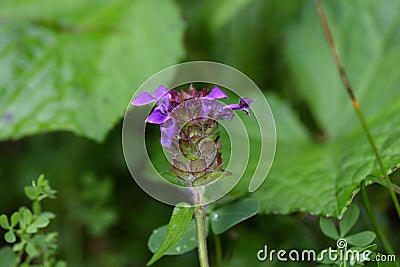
x=68, y=70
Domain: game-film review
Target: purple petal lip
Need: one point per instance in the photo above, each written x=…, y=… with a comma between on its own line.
x=216, y=93
x=244, y=104
x=161, y=93
x=143, y=99
x=157, y=117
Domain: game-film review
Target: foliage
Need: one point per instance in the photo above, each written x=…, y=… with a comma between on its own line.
x=72, y=65
x=30, y=245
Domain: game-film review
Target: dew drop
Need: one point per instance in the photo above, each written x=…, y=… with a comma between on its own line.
x=215, y=217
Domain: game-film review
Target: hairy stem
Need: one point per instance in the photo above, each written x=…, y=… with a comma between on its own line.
x=346, y=83
x=200, y=220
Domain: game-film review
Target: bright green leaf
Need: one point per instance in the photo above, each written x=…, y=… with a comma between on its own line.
x=233, y=213
x=321, y=176
x=10, y=236
x=361, y=239
x=31, y=192
x=83, y=61
x=49, y=215
x=41, y=221
x=180, y=219
x=328, y=228
x=7, y=257
x=15, y=217
x=26, y=216
x=187, y=243
x=4, y=222
x=349, y=220
x=19, y=246
x=32, y=250
x=31, y=229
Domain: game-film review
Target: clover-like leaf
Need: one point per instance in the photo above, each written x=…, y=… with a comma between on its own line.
x=4, y=222
x=15, y=217
x=31, y=192
x=328, y=228
x=361, y=239
x=349, y=220
x=32, y=250
x=233, y=213
x=41, y=221
x=10, y=236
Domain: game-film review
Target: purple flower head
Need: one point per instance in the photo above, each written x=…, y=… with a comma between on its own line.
x=190, y=130
x=205, y=106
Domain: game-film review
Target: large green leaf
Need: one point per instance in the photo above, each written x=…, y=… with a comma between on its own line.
x=179, y=222
x=321, y=178
x=73, y=65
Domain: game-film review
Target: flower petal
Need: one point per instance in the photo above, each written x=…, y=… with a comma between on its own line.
x=161, y=93
x=216, y=93
x=143, y=99
x=156, y=117
x=244, y=104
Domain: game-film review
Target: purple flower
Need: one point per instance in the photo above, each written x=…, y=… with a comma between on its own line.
x=190, y=130
x=205, y=107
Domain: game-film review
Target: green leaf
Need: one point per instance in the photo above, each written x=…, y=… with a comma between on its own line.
x=361, y=239
x=180, y=219
x=7, y=257
x=15, y=217
x=349, y=220
x=32, y=250
x=233, y=213
x=31, y=229
x=4, y=222
x=73, y=53
x=26, y=216
x=31, y=192
x=187, y=243
x=41, y=221
x=10, y=236
x=321, y=175
x=18, y=247
x=328, y=228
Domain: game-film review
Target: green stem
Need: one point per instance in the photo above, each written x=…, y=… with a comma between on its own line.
x=346, y=83
x=218, y=251
x=200, y=220
x=375, y=224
